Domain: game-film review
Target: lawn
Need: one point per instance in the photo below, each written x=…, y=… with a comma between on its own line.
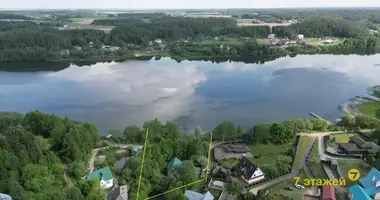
x=346, y=165
x=302, y=145
x=315, y=162
x=368, y=108
x=268, y=153
x=339, y=138
x=229, y=163
x=316, y=41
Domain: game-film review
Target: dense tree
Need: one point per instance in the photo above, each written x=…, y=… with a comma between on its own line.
x=234, y=188
x=225, y=131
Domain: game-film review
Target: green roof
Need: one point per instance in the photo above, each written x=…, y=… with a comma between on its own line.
x=174, y=163
x=135, y=149
x=100, y=174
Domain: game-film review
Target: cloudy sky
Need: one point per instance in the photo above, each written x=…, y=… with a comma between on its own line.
x=152, y=4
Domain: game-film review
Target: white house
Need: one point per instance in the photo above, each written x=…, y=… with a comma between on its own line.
x=300, y=37
x=271, y=36
x=248, y=171
x=104, y=176
x=158, y=41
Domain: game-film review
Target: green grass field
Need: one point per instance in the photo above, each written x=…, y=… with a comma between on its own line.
x=315, y=162
x=229, y=163
x=302, y=145
x=368, y=108
x=316, y=41
x=226, y=41
x=340, y=138
x=346, y=165
x=269, y=153
x=215, y=193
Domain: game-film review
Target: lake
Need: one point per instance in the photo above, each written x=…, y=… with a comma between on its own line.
x=192, y=93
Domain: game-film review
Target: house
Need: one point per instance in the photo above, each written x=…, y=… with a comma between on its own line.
x=158, y=41
x=118, y=193
x=329, y=41
x=174, y=163
x=371, y=183
x=349, y=148
x=104, y=175
x=370, y=147
x=218, y=184
x=135, y=149
x=358, y=193
x=300, y=37
x=271, y=37
x=198, y=196
x=5, y=197
x=328, y=192
x=248, y=171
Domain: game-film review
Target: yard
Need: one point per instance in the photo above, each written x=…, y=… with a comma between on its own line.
x=302, y=145
x=339, y=138
x=317, y=41
x=267, y=154
x=280, y=192
x=229, y=163
x=346, y=165
x=315, y=162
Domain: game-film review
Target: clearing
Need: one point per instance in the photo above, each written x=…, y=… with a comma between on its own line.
x=267, y=154
x=317, y=41
x=369, y=108
x=339, y=138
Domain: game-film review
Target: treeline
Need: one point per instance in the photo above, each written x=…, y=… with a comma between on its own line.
x=33, y=148
x=12, y=16
x=323, y=26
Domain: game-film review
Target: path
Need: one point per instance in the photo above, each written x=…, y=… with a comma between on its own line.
x=66, y=176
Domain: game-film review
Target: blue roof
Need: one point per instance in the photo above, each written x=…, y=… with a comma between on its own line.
x=135, y=149
x=358, y=193
x=371, y=179
x=197, y=170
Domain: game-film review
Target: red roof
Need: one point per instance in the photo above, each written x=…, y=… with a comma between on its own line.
x=328, y=192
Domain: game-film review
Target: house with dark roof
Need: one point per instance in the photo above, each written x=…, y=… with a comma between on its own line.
x=328, y=192
x=248, y=171
x=370, y=147
x=104, y=176
x=349, y=148
x=191, y=195
x=118, y=193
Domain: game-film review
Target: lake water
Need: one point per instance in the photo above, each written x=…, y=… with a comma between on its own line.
x=192, y=93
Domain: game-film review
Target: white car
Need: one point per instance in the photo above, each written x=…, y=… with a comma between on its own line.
x=300, y=187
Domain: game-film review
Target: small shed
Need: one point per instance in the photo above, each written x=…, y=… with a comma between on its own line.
x=328, y=192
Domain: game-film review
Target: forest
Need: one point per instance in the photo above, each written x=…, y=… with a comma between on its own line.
x=28, y=41
x=35, y=147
